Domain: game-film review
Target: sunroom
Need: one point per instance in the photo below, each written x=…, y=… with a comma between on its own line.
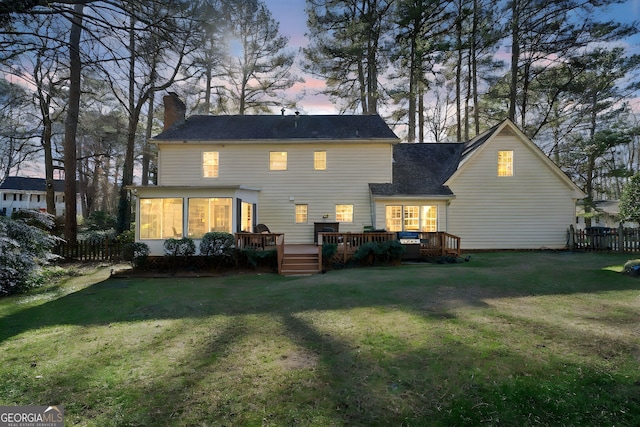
x=165, y=212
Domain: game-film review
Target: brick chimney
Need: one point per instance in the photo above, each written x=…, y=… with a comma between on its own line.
x=174, y=110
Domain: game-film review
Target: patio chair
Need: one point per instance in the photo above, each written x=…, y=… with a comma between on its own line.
x=261, y=228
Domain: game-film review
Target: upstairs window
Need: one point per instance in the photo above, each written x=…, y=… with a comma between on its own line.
x=505, y=163
x=210, y=164
x=320, y=160
x=278, y=161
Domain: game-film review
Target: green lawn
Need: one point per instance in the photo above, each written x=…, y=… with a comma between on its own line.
x=506, y=339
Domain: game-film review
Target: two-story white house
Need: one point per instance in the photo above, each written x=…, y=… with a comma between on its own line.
x=20, y=193
x=293, y=172
x=229, y=173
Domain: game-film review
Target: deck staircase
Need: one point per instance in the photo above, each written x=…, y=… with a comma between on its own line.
x=298, y=262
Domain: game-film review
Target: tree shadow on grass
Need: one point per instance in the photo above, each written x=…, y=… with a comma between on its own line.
x=435, y=290
x=447, y=378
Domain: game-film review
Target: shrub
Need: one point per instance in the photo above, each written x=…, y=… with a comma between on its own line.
x=218, y=244
x=179, y=247
x=97, y=237
x=632, y=267
x=328, y=252
x=255, y=258
x=136, y=253
x=127, y=236
x=377, y=252
x=101, y=220
x=25, y=247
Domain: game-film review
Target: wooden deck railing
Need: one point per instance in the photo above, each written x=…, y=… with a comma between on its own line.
x=348, y=243
x=262, y=241
x=435, y=243
x=438, y=243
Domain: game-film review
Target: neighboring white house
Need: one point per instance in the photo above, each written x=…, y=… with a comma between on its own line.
x=19, y=193
x=294, y=173
x=606, y=214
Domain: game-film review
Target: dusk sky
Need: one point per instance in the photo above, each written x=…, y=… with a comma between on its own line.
x=293, y=23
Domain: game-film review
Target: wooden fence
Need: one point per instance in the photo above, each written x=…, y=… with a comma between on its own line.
x=604, y=239
x=89, y=251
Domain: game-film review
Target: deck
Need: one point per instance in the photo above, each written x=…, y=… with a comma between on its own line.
x=307, y=258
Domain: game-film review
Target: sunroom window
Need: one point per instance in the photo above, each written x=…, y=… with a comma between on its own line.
x=209, y=214
x=161, y=218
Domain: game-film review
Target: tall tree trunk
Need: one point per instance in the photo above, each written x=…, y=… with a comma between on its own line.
x=421, y=111
x=413, y=92
x=146, y=151
x=124, y=203
x=71, y=126
x=48, y=153
x=459, y=77
x=474, y=67
x=515, y=56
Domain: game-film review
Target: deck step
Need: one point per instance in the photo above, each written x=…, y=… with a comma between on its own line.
x=300, y=264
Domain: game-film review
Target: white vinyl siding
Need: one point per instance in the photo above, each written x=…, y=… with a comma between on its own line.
x=531, y=210
x=346, y=179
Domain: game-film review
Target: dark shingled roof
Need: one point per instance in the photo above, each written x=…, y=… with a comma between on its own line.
x=421, y=170
x=30, y=184
x=243, y=128
x=473, y=144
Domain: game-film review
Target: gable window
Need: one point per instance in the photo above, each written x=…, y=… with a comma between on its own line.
x=210, y=164
x=209, y=214
x=301, y=214
x=344, y=213
x=505, y=163
x=160, y=218
x=394, y=218
x=278, y=161
x=320, y=160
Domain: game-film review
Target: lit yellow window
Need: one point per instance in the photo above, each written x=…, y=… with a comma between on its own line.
x=210, y=164
x=207, y=215
x=429, y=218
x=247, y=217
x=320, y=160
x=411, y=218
x=505, y=163
x=394, y=218
x=301, y=214
x=278, y=160
x=344, y=213
x=160, y=218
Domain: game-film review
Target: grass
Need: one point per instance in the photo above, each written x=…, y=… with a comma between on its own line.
x=505, y=339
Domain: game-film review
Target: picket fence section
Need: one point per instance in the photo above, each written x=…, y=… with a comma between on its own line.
x=89, y=251
x=604, y=239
